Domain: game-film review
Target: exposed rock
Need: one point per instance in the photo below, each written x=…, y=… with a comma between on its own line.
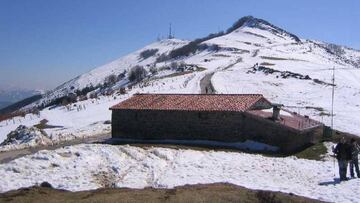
x=26, y=135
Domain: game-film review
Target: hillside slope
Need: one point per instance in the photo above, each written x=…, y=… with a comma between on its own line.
x=253, y=56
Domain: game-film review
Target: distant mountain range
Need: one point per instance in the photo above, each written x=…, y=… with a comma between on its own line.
x=12, y=95
x=4, y=104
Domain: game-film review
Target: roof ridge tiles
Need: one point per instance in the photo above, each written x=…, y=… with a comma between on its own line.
x=198, y=94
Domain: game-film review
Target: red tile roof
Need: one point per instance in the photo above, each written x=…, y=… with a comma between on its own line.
x=192, y=102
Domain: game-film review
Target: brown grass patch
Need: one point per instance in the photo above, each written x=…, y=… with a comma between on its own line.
x=219, y=192
x=279, y=58
x=266, y=64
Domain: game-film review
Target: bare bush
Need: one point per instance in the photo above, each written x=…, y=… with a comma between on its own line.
x=148, y=53
x=137, y=73
x=121, y=76
x=178, y=66
x=153, y=70
x=111, y=79
x=122, y=90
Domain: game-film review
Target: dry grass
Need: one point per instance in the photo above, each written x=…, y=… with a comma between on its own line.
x=280, y=59
x=273, y=58
x=43, y=125
x=190, y=193
x=315, y=152
x=266, y=64
x=176, y=74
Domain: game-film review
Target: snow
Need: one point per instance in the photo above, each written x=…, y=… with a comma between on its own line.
x=23, y=137
x=69, y=123
x=248, y=145
x=85, y=167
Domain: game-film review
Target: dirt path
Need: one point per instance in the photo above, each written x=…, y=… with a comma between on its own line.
x=206, y=86
x=205, y=83
x=14, y=154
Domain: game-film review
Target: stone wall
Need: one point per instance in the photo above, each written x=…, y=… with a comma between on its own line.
x=288, y=139
x=216, y=126
x=185, y=125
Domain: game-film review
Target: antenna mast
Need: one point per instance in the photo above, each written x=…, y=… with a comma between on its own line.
x=332, y=100
x=170, y=34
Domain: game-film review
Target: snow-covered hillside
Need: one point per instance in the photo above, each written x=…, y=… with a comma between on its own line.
x=98, y=75
x=254, y=56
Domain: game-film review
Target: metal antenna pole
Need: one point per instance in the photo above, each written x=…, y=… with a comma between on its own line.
x=332, y=101
x=332, y=107
x=170, y=34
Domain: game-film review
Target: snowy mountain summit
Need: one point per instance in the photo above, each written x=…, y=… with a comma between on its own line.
x=252, y=22
x=252, y=56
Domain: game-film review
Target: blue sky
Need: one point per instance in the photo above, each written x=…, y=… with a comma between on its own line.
x=44, y=43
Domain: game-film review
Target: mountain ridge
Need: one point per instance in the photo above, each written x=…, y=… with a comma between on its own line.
x=252, y=59
x=245, y=25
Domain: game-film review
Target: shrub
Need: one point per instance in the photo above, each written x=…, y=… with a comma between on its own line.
x=191, y=48
x=214, y=47
x=111, y=80
x=122, y=90
x=93, y=95
x=121, y=75
x=162, y=57
x=153, y=70
x=82, y=98
x=335, y=49
x=163, y=68
x=65, y=100
x=148, y=53
x=85, y=90
x=46, y=184
x=137, y=73
x=178, y=66
x=174, y=65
